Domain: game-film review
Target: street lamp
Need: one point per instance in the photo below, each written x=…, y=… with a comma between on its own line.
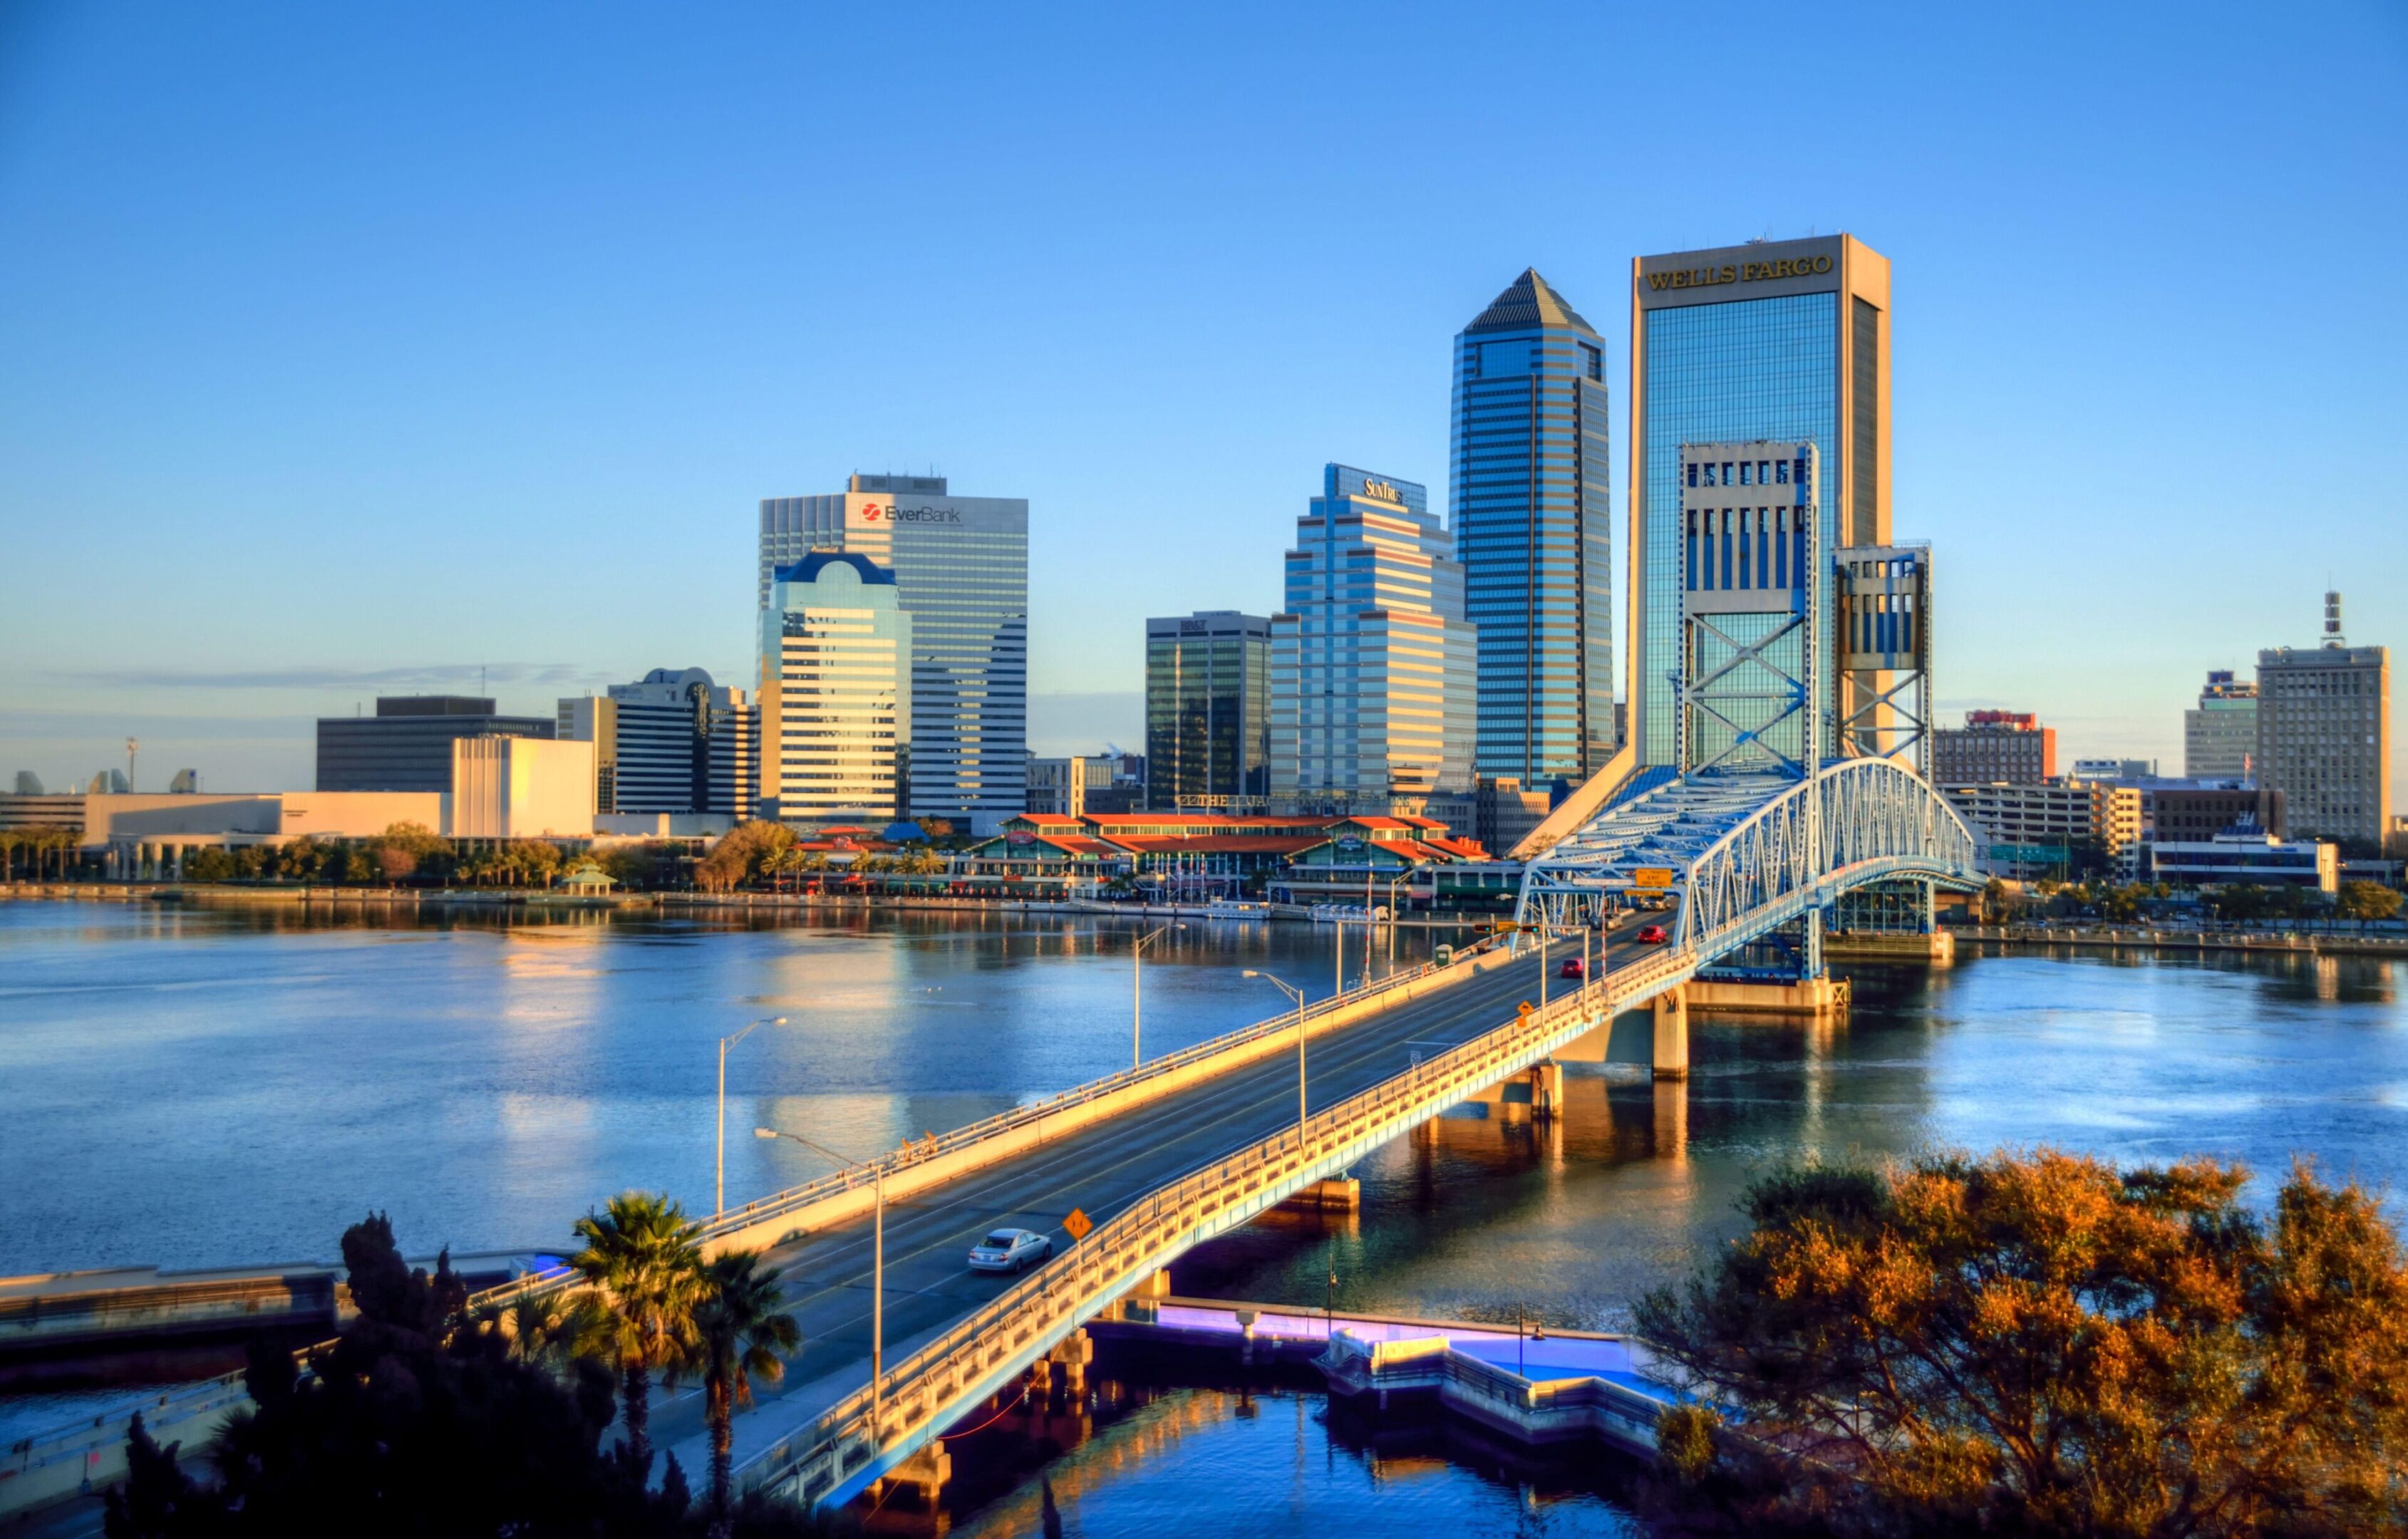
x=1296, y=994
x=719, y=1182
x=1137, y=990
x=877, y=1265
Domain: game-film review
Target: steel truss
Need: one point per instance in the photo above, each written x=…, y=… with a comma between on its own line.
x=1748, y=853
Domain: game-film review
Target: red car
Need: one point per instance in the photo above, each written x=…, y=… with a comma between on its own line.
x=1572, y=968
x=1651, y=934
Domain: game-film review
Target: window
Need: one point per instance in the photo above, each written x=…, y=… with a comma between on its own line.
x=1693, y=475
x=1781, y=472
x=1745, y=470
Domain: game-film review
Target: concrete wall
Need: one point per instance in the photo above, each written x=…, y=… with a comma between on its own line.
x=147, y=816
x=362, y=814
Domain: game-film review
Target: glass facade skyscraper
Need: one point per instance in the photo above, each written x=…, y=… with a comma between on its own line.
x=835, y=689
x=1371, y=660
x=961, y=573
x=1531, y=503
x=1775, y=340
x=1207, y=711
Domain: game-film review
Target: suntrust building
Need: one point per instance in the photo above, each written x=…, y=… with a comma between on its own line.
x=1774, y=340
x=961, y=573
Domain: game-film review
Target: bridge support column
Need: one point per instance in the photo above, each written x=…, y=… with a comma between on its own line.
x=1671, y=1053
x=1547, y=1089
x=919, y=1480
x=1070, y=1358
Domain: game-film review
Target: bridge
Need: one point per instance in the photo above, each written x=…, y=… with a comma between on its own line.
x=1192, y=1145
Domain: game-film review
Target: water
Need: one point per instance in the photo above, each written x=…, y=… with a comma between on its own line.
x=191, y=1087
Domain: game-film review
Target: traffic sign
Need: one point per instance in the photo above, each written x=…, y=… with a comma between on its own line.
x=1655, y=876
x=1078, y=1223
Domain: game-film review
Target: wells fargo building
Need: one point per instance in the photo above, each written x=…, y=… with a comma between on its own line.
x=1774, y=340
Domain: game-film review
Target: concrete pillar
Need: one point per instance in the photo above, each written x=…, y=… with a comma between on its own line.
x=1070, y=1357
x=1547, y=1089
x=1671, y=1122
x=919, y=1479
x=1671, y=1054
x=1810, y=950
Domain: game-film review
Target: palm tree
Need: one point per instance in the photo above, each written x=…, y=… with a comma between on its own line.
x=645, y=1280
x=743, y=1330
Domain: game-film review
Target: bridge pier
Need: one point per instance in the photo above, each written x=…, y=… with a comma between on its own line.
x=918, y=1481
x=1671, y=1048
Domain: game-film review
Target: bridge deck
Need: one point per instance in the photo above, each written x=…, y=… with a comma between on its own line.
x=1101, y=1169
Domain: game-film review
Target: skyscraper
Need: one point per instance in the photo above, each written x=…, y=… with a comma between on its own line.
x=2324, y=734
x=835, y=689
x=2220, y=737
x=1372, y=686
x=1772, y=340
x=961, y=571
x=1207, y=711
x=1532, y=502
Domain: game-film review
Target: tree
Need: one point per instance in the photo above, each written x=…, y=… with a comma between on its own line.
x=2040, y=1344
x=157, y=1498
x=644, y=1276
x=2364, y=900
x=742, y=1329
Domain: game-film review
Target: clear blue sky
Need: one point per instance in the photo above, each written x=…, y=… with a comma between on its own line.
x=354, y=347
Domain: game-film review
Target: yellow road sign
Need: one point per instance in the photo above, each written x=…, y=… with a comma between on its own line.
x=1078, y=1223
x=1650, y=876
x=1525, y=1008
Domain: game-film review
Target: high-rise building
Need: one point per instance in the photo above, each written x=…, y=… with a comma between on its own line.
x=2324, y=734
x=1372, y=681
x=1994, y=747
x=961, y=570
x=1775, y=340
x=836, y=691
x=672, y=742
x=407, y=745
x=2220, y=737
x=1207, y=711
x=1530, y=498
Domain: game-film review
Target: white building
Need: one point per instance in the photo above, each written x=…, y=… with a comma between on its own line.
x=836, y=691
x=2324, y=734
x=960, y=569
x=522, y=787
x=2244, y=856
x=672, y=742
x=1374, y=697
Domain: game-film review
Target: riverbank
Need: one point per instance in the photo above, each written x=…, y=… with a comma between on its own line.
x=540, y=900
x=2140, y=938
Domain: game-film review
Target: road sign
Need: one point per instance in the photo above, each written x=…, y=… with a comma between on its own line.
x=1526, y=1008
x=1078, y=1223
x=1655, y=876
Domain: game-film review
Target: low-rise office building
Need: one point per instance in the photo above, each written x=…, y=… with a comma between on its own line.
x=2244, y=856
x=2220, y=733
x=522, y=787
x=1994, y=747
x=2324, y=734
x=407, y=745
x=2033, y=832
x=2194, y=812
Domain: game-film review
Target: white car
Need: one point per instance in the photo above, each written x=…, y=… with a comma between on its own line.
x=1009, y=1250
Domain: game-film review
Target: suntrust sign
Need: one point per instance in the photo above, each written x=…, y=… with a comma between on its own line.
x=1739, y=272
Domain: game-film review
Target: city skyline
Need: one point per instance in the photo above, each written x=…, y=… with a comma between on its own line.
x=503, y=485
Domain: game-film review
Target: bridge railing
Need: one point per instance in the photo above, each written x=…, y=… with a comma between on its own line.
x=734, y=1220
x=912, y=1395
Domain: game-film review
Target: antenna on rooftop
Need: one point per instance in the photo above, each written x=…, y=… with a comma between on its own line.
x=2332, y=620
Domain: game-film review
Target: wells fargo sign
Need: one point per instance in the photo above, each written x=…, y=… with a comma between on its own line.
x=1739, y=272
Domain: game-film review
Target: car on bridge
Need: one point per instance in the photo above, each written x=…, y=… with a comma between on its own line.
x=1574, y=967
x=1009, y=1250
x=1651, y=934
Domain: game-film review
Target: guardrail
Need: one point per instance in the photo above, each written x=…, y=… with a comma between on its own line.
x=844, y=1448
x=93, y=1447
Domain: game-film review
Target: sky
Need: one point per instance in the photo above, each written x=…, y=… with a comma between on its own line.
x=363, y=349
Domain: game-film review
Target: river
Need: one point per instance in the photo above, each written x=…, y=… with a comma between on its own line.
x=205, y=1086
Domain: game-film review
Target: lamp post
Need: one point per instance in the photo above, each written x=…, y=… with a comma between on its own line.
x=1137, y=990
x=719, y=1181
x=1296, y=994
x=877, y=1265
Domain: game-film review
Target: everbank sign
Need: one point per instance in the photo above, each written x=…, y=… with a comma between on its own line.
x=878, y=513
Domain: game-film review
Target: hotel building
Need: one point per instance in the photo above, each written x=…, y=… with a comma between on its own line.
x=1776, y=341
x=836, y=691
x=1530, y=498
x=960, y=567
x=1207, y=711
x=1372, y=683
